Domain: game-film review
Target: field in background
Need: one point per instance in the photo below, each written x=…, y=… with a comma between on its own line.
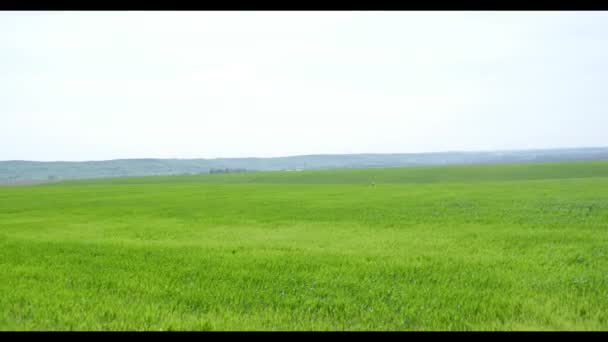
x=16, y=171
x=487, y=247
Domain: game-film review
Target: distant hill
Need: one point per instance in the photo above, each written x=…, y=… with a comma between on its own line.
x=17, y=172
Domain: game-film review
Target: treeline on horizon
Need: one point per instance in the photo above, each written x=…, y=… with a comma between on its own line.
x=228, y=170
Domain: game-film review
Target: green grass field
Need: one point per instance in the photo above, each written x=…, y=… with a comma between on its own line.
x=492, y=247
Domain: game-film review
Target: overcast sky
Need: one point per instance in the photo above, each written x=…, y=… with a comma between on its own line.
x=106, y=85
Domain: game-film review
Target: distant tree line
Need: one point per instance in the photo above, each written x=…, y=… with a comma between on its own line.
x=227, y=170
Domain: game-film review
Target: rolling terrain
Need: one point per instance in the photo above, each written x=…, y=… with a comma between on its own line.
x=469, y=247
x=17, y=171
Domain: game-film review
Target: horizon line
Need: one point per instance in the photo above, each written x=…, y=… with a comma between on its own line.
x=313, y=155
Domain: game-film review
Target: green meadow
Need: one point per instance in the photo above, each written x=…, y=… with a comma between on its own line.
x=486, y=247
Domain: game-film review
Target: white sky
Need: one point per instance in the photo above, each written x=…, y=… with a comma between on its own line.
x=105, y=85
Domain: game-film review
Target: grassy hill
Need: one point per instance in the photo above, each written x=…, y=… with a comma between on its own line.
x=479, y=247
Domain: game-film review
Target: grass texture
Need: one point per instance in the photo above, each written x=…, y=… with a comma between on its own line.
x=490, y=247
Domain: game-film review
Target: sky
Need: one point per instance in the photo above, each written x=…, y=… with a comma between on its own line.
x=109, y=85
